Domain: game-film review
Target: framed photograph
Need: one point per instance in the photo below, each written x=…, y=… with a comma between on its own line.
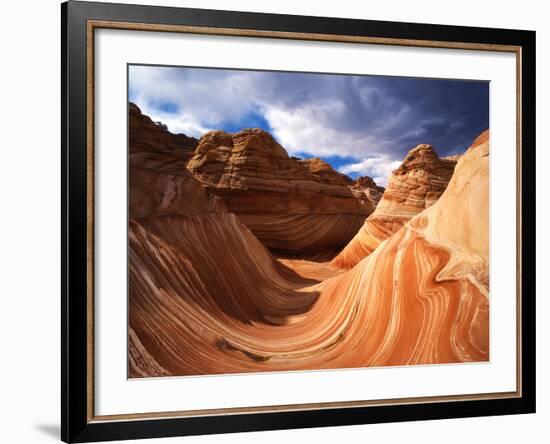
x=275, y=221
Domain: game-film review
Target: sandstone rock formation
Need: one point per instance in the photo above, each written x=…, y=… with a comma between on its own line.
x=159, y=182
x=207, y=298
x=364, y=188
x=189, y=256
x=147, y=136
x=295, y=207
x=414, y=186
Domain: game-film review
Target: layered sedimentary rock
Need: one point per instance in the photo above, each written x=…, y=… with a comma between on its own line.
x=148, y=136
x=414, y=186
x=364, y=188
x=188, y=256
x=196, y=281
x=207, y=298
x=295, y=207
x=159, y=182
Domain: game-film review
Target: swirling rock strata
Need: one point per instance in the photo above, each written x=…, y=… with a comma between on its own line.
x=414, y=186
x=295, y=207
x=188, y=256
x=181, y=236
x=207, y=298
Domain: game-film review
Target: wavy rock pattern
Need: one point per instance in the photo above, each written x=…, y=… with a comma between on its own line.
x=206, y=297
x=295, y=207
x=414, y=186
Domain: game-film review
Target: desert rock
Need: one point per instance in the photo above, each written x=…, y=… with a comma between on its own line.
x=148, y=136
x=206, y=296
x=295, y=207
x=416, y=185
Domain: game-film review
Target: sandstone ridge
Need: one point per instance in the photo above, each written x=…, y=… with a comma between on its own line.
x=295, y=207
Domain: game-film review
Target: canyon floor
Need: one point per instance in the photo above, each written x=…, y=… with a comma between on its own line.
x=244, y=259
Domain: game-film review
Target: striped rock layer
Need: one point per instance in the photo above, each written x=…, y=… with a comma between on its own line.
x=416, y=185
x=153, y=137
x=295, y=207
x=206, y=297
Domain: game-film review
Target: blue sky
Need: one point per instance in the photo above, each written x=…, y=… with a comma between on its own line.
x=361, y=125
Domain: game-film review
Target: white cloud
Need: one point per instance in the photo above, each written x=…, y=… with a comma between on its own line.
x=307, y=129
x=200, y=96
x=177, y=123
x=378, y=167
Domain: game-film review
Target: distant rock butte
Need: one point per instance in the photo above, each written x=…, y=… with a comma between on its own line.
x=295, y=207
x=364, y=188
x=416, y=185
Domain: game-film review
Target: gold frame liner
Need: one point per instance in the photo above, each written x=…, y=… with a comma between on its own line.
x=92, y=25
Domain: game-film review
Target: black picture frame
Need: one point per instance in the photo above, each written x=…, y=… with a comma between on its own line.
x=76, y=423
